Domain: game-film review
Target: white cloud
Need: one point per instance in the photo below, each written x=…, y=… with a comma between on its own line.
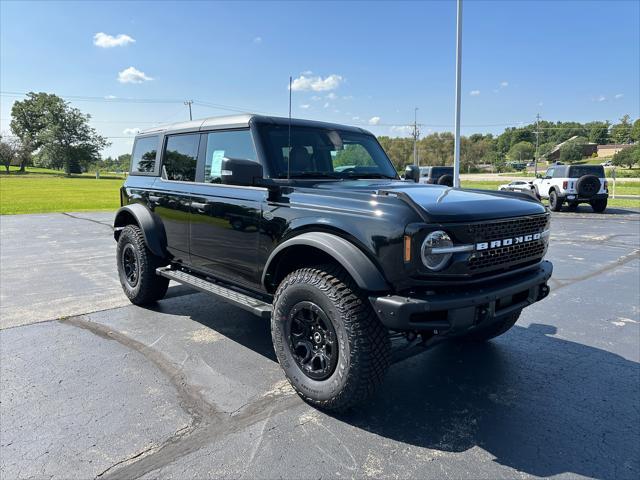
x=316, y=98
x=131, y=131
x=305, y=106
x=316, y=83
x=257, y=40
x=331, y=96
x=474, y=93
x=504, y=84
x=601, y=98
x=374, y=120
x=619, y=95
x=110, y=97
x=104, y=40
x=347, y=97
x=326, y=105
x=307, y=73
x=540, y=104
x=402, y=130
x=132, y=75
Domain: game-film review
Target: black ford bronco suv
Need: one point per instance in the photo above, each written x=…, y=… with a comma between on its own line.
x=308, y=224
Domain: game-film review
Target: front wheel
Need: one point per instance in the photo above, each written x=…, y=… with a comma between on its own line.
x=137, y=268
x=328, y=340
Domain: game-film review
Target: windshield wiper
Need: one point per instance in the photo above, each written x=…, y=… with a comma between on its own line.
x=368, y=175
x=313, y=175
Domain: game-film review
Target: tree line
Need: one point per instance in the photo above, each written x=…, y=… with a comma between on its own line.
x=49, y=132
x=515, y=144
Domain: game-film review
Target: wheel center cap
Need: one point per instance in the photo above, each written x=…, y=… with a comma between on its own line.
x=317, y=337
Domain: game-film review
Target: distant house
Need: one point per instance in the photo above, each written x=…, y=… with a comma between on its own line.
x=588, y=149
x=611, y=149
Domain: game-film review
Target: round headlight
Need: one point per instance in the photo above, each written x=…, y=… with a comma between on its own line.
x=430, y=257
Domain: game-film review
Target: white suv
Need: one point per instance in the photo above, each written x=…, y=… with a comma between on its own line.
x=574, y=184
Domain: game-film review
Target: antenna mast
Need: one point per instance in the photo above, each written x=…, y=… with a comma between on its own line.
x=289, y=153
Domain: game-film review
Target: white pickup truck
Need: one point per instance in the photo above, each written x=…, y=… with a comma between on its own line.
x=573, y=184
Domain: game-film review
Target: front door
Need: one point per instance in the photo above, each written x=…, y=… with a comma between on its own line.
x=226, y=219
x=172, y=193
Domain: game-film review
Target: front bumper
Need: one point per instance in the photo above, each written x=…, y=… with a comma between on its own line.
x=457, y=313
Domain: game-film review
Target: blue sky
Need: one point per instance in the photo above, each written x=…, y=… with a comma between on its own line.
x=366, y=63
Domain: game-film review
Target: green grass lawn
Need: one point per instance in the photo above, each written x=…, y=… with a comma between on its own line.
x=43, y=190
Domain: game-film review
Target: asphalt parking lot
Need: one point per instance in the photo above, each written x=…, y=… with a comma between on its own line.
x=93, y=387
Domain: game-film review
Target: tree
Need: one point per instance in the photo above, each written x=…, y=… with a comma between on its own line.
x=521, y=151
x=573, y=150
x=635, y=131
x=61, y=133
x=627, y=156
x=598, y=132
x=7, y=153
x=621, y=132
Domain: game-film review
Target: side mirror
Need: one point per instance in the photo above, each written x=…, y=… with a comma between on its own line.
x=237, y=171
x=412, y=173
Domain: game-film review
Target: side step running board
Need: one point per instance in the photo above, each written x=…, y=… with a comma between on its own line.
x=257, y=307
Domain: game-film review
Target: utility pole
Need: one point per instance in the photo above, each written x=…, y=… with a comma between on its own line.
x=537, y=132
x=416, y=134
x=189, y=103
x=456, y=150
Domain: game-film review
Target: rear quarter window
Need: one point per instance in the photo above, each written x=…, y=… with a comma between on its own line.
x=144, y=156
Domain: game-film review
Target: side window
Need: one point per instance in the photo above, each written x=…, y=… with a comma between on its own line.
x=180, y=157
x=230, y=144
x=143, y=159
x=549, y=173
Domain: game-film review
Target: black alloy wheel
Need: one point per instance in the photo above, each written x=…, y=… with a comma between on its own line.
x=312, y=340
x=130, y=265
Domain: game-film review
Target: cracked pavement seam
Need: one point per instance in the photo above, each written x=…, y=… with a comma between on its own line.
x=207, y=424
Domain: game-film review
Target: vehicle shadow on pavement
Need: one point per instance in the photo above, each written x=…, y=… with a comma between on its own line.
x=539, y=404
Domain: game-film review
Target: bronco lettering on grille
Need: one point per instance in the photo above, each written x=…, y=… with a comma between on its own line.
x=505, y=242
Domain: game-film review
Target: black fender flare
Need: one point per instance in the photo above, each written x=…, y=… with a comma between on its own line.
x=363, y=271
x=152, y=228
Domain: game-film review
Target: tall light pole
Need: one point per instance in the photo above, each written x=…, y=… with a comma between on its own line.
x=456, y=151
x=535, y=160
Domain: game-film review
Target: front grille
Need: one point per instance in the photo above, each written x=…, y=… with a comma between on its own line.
x=513, y=254
x=499, y=229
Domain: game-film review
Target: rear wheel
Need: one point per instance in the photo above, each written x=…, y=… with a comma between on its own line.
x=137, y=268
x=599, y=205
x=555, y=203
x=495, y=330
x=328, y=340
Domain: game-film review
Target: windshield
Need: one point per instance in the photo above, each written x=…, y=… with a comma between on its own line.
x=323, y=153
x=576, y=171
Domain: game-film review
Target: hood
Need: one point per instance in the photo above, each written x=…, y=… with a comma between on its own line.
x=437, y=203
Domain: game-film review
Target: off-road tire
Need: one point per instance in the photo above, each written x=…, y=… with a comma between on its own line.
x=446, y=180
x=495, y=330
x=364, y=348
x=587, y=185
x=599, y=205
x=148, y=287
x=555, y=203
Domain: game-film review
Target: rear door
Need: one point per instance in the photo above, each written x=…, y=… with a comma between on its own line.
x=226, y=219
